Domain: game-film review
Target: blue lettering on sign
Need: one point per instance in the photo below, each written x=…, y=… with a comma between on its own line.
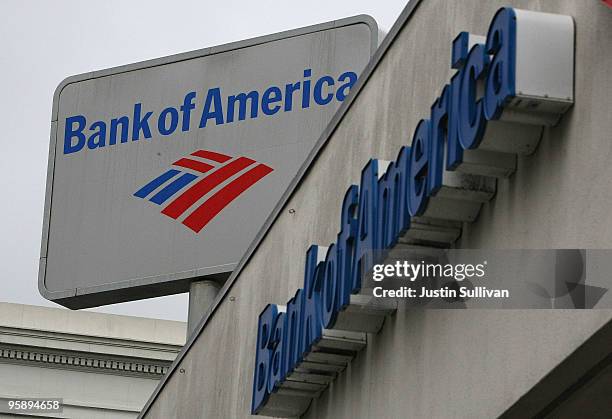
x=377, y=212
x=214, y=110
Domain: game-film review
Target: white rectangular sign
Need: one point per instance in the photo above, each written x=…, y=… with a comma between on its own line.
x=163, y=172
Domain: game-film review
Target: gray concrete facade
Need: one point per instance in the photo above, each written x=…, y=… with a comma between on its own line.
x=423, y=364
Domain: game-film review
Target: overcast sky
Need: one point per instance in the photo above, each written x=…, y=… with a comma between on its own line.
x=44, y=42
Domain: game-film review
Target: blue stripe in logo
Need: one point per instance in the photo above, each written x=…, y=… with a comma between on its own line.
x=156, y=183
x=163, y=195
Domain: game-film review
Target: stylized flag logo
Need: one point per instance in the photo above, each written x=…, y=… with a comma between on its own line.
x=206, y=171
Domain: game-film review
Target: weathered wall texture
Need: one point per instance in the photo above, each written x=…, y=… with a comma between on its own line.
x=432, y=364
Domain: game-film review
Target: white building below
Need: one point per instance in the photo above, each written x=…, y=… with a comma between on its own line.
x=101, y=365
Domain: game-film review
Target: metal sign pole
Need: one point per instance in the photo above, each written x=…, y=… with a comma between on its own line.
x=201, y=296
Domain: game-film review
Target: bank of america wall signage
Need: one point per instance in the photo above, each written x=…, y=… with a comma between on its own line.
x=524, y=69
x=164, y=171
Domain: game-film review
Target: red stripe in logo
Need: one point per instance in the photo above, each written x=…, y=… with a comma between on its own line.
x=193, y=164
x=198, y=219
x=211, y=155
x=197, y=191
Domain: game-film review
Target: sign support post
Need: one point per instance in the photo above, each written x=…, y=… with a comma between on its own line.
x=201, y=296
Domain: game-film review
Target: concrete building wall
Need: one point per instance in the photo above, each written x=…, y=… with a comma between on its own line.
x=84, y=395
x=426, y=364
x=100, y=365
